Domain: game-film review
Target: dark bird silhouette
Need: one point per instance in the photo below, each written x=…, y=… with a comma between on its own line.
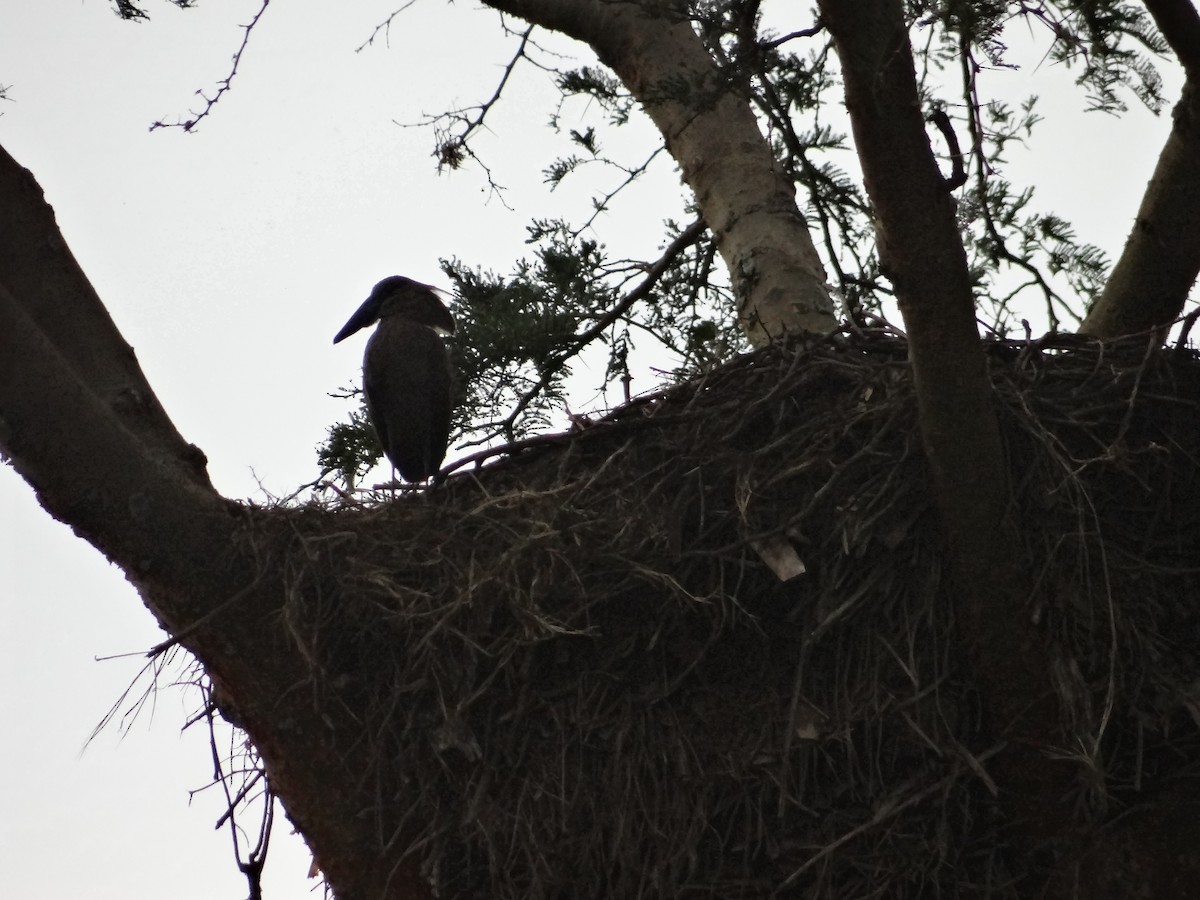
x=406, y=373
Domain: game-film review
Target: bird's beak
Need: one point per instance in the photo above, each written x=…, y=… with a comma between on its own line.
x=365, y=315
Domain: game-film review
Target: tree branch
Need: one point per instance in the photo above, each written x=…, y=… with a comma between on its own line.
x=1180, y=25
x=223, y=86
x=958, y=173
x=1161, y=259
x=922, y=253
x=553, y=366
x=711, y=132
x=969, y=69
x=104, y=458
x=59, y=338
x=601, y=204
x=795, y=35
x=452, y=139
x=385, y=27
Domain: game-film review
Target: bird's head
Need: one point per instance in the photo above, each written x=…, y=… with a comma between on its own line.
x=402, y=297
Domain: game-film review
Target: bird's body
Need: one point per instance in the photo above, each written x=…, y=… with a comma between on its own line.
x=407, y=378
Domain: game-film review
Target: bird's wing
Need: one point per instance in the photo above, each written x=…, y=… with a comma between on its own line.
x=406, y=379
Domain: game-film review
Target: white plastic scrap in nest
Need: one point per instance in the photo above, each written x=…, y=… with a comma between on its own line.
x=779, y=554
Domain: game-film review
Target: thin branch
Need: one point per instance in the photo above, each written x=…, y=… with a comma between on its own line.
x=252, y=865
x=777, y=113
x=242, y=793
x=1188, y=321
x=509, y=68
x=887, y=809
x=155, y=668
x=631, y=175
x=223, y=86
x=385, y=26
x=802, y=33
x=685, y=239
x=970, y=68
x=452, y=149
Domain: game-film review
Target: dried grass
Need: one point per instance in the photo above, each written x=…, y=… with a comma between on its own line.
x=582, y=681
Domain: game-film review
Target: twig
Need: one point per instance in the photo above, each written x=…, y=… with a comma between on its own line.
x=888, y=809
x=252, y=866
x=199, y=623
x=452, y=149
x=958, y=174
x=970, y=86
x=802, y=33
x=631, y=175
x=685, y=239
x=223, y=86
x=385, y=26
x=1188, y=321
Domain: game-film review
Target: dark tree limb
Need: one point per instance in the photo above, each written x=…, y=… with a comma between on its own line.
x=921, y=252
x=104, y=458
x=1180, y=26
x=1161, y=260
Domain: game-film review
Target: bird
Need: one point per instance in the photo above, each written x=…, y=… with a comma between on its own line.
x=407, y=376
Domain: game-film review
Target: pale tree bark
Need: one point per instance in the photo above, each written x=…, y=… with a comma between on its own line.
x=79, y=422
x=1150, y=282
x=922, y=253
x=712, y=134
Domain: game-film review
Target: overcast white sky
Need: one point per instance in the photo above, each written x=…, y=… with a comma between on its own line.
x=228, y=259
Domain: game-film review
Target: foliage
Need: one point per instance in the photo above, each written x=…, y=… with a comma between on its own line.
x=350, y=448
x=521, y=331
x=519, y=334
x=510, y=329
x=131, y=10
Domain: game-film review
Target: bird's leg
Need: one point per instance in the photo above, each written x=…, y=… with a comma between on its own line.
x=436, y=480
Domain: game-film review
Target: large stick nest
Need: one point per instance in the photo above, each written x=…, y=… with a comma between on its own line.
x=583, y=680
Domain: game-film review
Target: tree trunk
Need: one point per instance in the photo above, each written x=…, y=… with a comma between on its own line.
x=105, y=459
x=921, y=252
x=711, y=132
x=1150, y=282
